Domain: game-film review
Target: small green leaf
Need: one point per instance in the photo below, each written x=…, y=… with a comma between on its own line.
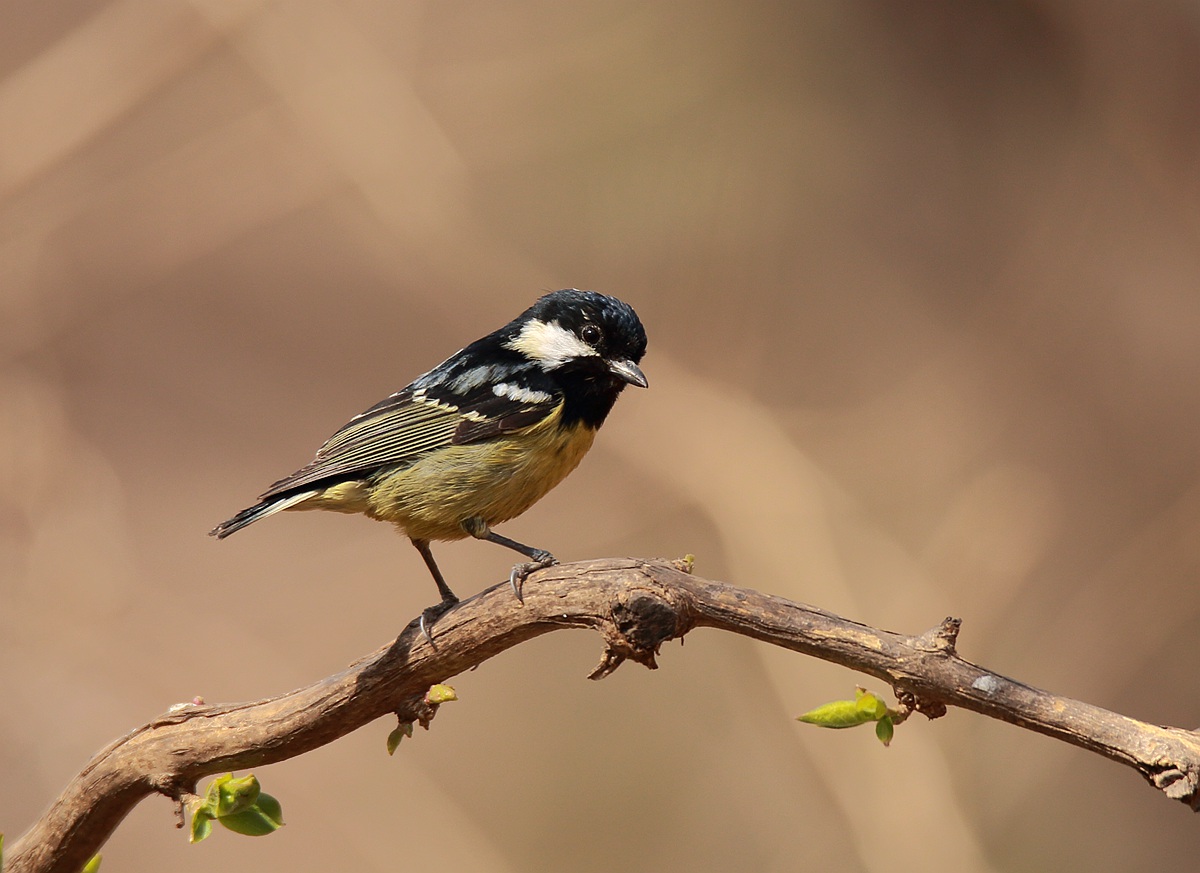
x=438, y=694
x=93, y=865
x=863, y=708
x=837, y=714
x=402, y=730
x=262, y=818
x=201, y=825
x=235, y=794
x=885, y=730
x=871, y=705
x=212, y=797
x=269, y=806
x=238, y=803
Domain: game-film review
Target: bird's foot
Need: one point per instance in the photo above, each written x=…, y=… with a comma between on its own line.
x=432, y=613
x=520, y=572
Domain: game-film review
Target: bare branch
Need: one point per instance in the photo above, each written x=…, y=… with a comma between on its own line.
x=636, y=606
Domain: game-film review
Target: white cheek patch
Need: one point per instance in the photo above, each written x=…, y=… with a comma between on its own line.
x=550, y=344
x=519, y=394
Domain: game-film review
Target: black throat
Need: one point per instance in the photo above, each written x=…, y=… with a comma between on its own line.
x=588, y=397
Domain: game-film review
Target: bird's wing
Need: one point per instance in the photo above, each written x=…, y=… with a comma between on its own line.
x=404, y=427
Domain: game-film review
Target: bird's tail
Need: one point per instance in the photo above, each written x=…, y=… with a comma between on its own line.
x=254, y=513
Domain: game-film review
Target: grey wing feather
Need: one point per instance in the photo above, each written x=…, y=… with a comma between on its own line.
x=401, y=429
x=392, y=433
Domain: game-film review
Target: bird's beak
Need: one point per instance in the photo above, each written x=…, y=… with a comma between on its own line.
x=628, y=371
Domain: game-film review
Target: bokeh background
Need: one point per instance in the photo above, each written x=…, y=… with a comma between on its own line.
x=920, y=281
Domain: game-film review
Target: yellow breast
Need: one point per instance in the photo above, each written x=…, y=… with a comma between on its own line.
x=495, y=480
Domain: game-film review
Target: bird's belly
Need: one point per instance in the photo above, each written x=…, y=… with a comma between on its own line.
x=495, y=481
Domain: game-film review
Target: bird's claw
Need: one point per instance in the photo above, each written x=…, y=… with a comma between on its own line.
x=431, y=614
x=520, y=572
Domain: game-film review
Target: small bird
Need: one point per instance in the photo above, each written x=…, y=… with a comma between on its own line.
x=479, y=438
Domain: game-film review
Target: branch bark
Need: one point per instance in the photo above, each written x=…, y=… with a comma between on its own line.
x=636, y=606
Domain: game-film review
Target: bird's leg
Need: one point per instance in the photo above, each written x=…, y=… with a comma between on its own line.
x=432, y=613
x=538, y=558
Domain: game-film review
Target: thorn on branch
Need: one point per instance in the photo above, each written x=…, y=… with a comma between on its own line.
x=182, y=792
x=943, y=638
x=611, y=660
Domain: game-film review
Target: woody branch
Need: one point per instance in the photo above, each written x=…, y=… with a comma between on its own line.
x=636, y=606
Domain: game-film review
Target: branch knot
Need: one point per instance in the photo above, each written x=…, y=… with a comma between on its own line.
x=639, y=623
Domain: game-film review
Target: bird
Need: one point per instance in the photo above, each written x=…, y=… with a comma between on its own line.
x=480, y=438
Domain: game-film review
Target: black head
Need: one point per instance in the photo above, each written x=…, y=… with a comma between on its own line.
x=589, y=342
x=581, y=331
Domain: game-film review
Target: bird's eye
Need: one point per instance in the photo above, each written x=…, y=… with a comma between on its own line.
x=591, y=334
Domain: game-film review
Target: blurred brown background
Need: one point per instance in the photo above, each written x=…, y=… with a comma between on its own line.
x=920, y=282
